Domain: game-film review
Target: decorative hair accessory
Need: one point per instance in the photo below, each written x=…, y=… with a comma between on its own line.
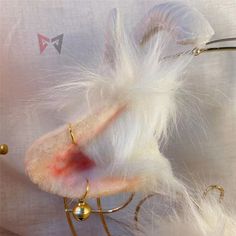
x=127, y=108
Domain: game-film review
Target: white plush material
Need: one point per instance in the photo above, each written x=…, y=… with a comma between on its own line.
x=152, y=89
x=194, y=120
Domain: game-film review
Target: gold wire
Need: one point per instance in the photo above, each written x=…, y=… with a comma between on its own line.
x=195, y=51
x=217, y=187
x=68, y=217
x=102, y=217
x=100, y=211
x=86, y=192
x=138, y=207
x=116, y=208
x=73, y=140
x=112, y=210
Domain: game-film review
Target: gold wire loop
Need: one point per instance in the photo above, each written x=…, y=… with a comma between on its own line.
x=73, y=139
x=215, y=187
x=138, y=207
x=81, y=211
x=102, y=217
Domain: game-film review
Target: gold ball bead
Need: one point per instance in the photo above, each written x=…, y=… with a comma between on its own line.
x=3, y=149
x=81, y=211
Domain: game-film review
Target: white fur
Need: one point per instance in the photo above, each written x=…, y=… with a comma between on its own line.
x=210, y=219
x=152, y=88
x=149, y=84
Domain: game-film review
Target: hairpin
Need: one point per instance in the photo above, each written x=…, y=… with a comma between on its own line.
x=131, y=104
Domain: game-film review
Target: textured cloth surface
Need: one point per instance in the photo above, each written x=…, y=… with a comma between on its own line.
x=205, y=154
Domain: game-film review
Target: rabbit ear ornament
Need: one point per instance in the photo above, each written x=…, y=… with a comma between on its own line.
x=133, y=99
x=133, y=102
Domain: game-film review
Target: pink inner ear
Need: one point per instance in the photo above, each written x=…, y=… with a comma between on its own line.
x=72, y=160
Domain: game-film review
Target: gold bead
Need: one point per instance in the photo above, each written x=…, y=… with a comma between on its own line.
x=81, y=211
x=3, y=149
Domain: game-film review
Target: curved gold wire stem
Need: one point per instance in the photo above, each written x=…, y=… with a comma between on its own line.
x=138, y=207
x=102, y=217
x=116, y=208
x=217, y=187
x=68, y=217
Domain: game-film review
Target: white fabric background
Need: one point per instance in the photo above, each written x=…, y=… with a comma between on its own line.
x=203, y=156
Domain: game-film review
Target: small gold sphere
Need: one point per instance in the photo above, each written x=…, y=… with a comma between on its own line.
x=81, y=211
x=3, y=149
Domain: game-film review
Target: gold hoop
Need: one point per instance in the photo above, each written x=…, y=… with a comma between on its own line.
x=72, y=136
x=217, y=187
